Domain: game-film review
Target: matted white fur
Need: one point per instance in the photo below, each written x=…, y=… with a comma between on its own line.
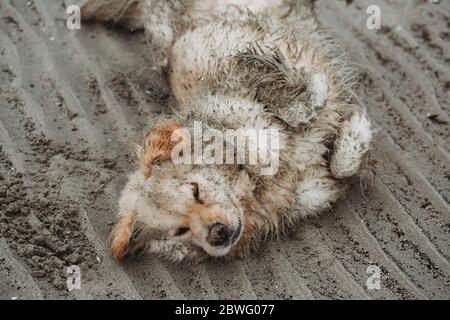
x=232, y=65
x=351, y=146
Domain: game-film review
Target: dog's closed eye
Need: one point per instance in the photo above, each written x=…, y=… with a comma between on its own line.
x=196, y=192
x=181, y=230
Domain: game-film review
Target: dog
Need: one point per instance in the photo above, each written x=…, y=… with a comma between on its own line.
x=236, y=64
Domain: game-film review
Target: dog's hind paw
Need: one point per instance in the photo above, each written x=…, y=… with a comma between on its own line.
x=127, y=13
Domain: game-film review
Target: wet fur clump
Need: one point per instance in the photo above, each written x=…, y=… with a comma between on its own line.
x=237, y=64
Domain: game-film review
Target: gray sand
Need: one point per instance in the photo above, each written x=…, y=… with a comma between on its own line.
x=69, y=101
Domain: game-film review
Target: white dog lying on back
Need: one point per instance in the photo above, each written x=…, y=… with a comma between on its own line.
x=232, y=65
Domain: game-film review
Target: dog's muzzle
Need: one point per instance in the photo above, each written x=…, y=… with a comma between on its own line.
x=222, y=235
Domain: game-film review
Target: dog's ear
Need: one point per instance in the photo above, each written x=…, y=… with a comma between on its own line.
x=120, y=235
x=127, y=13
x=158, y=144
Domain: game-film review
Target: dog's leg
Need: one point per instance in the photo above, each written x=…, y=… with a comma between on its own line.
x=316, y=191
x=294, y=96
x=127, y=13
x=120, y=235
x=306, y=107
x=163, y=22
x=351, y=147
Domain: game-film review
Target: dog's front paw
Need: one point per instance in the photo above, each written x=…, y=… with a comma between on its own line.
x=351, y=146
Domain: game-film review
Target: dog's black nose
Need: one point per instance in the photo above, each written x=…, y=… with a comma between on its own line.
x=218, y=234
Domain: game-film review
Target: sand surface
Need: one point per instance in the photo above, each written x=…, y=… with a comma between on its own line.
x=69, y=100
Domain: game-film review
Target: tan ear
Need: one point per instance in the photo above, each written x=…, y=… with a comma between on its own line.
x=158, y=145
x=120, y=235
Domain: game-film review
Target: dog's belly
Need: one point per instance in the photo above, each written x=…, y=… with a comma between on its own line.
x=196, y=55
x=198, y=50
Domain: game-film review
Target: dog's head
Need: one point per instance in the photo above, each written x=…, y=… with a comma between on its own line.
x=178, y=210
